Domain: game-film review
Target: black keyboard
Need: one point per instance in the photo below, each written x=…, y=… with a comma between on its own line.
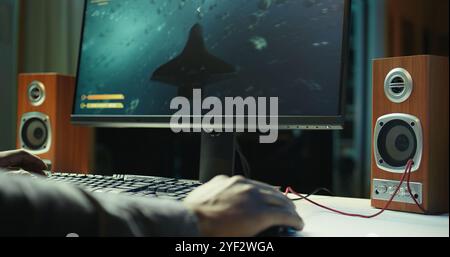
x=142, y=186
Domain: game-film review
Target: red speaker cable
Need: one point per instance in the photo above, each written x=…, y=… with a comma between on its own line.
x=406, y=175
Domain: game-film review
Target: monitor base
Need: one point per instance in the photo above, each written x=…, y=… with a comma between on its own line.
x=217, y=155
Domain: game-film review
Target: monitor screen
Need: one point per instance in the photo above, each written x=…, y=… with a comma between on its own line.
x=137, y=55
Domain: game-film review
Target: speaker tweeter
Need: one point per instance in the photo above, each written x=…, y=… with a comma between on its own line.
x=398, y=85
x=36, y=93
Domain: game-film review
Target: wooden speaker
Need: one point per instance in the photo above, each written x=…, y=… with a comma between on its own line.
x=410, y=121
x=44, y=128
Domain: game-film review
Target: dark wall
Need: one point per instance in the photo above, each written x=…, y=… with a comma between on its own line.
x=8, y=69
x=418, y=27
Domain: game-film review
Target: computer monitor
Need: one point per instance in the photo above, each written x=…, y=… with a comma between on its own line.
x=136, y=56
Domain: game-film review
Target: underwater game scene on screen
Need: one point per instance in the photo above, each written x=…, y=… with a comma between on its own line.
x=137, y=55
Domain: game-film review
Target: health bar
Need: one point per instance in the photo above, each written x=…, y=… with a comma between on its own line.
x=100, y=2
x=104, y=97
x=102, y=106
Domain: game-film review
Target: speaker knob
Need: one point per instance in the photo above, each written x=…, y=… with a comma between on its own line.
x=391, y=190
x=381, y=189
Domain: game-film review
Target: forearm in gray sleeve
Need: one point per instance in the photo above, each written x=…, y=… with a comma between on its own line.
x=33, y=207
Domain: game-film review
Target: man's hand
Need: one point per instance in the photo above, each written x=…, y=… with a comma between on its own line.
x=240, y=207
x=21, y=159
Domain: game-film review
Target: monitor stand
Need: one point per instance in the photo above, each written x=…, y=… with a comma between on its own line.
x=217, y=155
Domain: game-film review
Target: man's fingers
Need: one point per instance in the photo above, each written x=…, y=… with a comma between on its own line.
x=284, y=217
x=23, y=160
x=20, y=173
x=282, y=211
x=5, y=159
x=277, y=198
x=263, y=185
x=33, y=163
x=219, y=177
x=272, y=194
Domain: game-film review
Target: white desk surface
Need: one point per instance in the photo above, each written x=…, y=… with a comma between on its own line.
x=323, y=223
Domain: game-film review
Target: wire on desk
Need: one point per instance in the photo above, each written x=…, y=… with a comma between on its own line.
x=406, y=175
x=315, y=192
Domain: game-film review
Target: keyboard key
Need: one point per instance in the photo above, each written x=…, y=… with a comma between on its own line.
x=124, y=187
x=167, y=197
x=151, y=188
x=165, y=188
x=161, y=189
x=141, y=184
x=173, y=190
x=109, y=190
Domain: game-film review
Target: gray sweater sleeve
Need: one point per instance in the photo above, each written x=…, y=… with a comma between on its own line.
x=34, y=207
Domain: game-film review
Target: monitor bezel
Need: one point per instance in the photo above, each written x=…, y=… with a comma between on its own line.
x=284, y=122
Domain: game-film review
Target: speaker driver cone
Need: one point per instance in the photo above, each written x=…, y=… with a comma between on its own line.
x=398, y=138
x=397, y=143
x=35, y=132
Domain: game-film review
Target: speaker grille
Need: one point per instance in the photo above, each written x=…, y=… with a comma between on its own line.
x=397, y=139
x=397, y=143
x=398, y=85
x=35, y=132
